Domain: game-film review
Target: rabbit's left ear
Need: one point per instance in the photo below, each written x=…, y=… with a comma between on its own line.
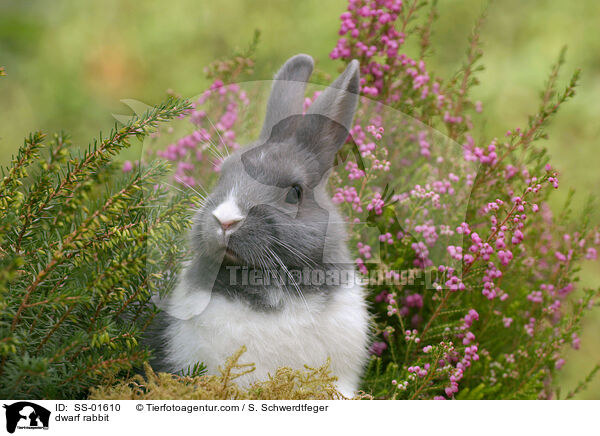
x=327, y=122
x=287, y=94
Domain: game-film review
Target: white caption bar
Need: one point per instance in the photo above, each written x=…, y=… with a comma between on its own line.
x=297, y=417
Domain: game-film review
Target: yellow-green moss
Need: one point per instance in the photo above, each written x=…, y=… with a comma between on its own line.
x=285, y=384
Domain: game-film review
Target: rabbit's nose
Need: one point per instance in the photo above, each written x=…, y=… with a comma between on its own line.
x=228, y=214
x=226, y=225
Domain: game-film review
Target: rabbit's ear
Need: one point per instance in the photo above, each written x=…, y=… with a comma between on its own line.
x=327, y=122
x=338, y=102
x=287, y=94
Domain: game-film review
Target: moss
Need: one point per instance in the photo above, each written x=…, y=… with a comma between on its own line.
x=285, y=384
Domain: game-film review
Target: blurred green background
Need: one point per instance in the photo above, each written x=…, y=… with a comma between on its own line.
x=71, y=62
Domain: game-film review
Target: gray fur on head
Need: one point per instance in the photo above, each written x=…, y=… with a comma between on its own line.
x=294, y=152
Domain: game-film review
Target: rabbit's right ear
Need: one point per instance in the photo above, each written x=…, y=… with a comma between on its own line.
x=287, y=94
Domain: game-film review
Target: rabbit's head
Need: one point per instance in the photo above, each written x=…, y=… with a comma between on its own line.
x=270, y=207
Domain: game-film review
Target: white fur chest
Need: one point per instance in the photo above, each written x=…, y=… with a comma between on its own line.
x=296, y=335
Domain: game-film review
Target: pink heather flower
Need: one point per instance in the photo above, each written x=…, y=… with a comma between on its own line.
x=420, y=192
x=591, y=254
x=468, y=259
x=553, y=308
x=529, y=327
x=548, y=288
x=421, y=372
x=414, y=300
x=559, y=256
x=559, y=363
x=386, y=237
x=563, y=292
x=463, y=229
x=428, y=231
x=469, y=337
x=455, y=252
x=427, y=349
x=445, y=230
x=452, y=389
x=575, y=341
x=479, y=153
x=364, y=250
x=470, y=318
x=422, y=255
x=505, y=257
x=370, y=90
x=184, y=166
x=354, y=171
x=394, y=275
x=491, y=206
x=361, y=266
x=535, y=297
x=382, y=165
x=517, y=237
x=455, y=284
x=471, y=352
x=127, y=166
x=424, y=144
x=507, y=321
x=376, y=204
x=197, y=117
x=510, y=172
x=378, y=348
x=375, y=131
x=186, y=180
x=491, y=273
x=347, y=194
x=382, y=296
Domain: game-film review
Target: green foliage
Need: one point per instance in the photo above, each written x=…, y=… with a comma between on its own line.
x=82, y=247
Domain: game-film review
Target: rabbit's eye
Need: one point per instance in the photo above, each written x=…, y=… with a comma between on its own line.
x=294, y=195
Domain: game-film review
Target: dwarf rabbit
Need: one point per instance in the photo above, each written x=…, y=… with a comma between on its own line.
x=269, y=248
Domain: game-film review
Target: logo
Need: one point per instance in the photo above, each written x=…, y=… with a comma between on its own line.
x=26, y=415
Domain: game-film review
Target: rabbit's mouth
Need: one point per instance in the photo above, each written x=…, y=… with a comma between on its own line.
x=232, y=256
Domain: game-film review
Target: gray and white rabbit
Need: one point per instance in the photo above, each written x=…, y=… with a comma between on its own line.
x=270, y=210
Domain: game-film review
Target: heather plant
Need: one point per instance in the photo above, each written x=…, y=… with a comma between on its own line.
x=76, y=269
x=479, y=296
